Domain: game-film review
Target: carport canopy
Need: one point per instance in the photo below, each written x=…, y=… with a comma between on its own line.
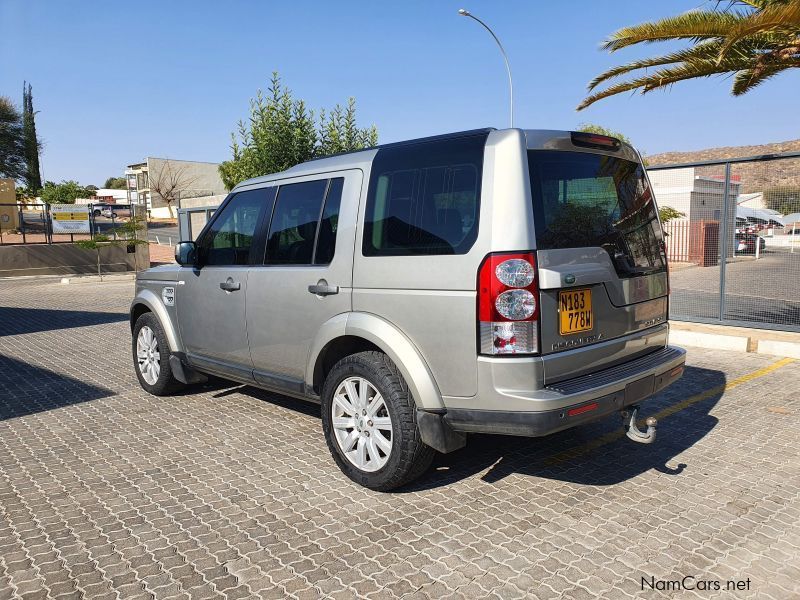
x=791, y=219
x=765, y=214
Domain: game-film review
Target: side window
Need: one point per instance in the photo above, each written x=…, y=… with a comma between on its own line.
x=294, y=223
x=423, y=199
x=326, y=238
x=228, y=240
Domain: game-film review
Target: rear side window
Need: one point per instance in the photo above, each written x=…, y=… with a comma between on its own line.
x=326, y=238
x=588, y=200
x=294, y=223
x=424, y=198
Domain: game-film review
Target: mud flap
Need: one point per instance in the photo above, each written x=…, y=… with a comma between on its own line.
x=436, y=433
x=183, y=372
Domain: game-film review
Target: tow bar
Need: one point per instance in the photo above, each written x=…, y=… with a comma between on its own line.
x=632, y=431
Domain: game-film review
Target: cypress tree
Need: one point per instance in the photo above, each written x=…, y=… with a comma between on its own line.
x=33, y=177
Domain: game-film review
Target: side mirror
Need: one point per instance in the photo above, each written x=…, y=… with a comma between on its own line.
x=186, y=254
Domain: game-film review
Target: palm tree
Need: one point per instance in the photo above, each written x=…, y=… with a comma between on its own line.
x=750, y=39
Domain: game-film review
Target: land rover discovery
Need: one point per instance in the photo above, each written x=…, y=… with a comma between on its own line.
x=497, y=281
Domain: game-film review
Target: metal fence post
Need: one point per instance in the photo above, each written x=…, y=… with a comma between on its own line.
x=22, y=225
x=724, y=243
x=48, y=224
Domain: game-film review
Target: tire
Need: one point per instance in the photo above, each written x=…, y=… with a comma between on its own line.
x=386, y=462
x=154, y=373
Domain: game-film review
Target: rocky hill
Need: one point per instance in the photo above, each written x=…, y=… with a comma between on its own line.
x=755, y=176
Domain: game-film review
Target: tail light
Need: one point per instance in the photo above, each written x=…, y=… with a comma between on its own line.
x=508, y=304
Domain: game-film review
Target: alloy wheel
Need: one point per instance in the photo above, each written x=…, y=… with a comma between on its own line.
x=147, y=355
x=361, y=424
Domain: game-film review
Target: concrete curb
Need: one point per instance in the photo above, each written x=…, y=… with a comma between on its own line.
x=76, y=279
x=778, y=348
x=88, y=278
x=709, y=340
x=737, y=339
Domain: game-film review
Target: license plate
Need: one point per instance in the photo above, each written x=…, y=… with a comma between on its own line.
x=575, y=311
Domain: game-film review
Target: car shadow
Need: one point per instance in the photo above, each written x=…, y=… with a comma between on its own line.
x=18, y=320
x=26, y=389
x=304, y=407
x=594, y=454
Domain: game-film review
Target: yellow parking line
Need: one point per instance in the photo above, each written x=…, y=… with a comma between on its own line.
x=613, y=436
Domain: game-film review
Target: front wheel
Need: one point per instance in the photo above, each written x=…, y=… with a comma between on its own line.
x=151, y=357
x=370, y=425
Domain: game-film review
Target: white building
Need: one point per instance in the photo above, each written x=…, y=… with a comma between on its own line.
x=701, y=198
x=163, y=185
x=105, y=196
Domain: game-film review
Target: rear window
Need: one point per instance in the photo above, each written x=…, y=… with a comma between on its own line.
x=589, y=200
x=424, y=198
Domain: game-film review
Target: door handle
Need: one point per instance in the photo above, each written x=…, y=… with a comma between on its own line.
x=230, y=285
x=323, y=289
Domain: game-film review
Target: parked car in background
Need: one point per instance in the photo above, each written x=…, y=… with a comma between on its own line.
x=746, y=243
x=509, y=282
x=116, y=212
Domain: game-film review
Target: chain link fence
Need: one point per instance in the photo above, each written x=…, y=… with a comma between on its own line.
x=734, y=251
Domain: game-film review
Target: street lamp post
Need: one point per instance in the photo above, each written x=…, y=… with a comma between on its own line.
x=465, y=13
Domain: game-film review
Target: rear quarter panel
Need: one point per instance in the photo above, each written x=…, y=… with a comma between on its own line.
x=432, y=299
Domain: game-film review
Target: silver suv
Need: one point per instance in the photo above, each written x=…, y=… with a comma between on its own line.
x=511, y=282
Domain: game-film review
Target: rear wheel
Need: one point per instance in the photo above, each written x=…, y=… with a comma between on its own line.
x=370, y=425
x=151, y=357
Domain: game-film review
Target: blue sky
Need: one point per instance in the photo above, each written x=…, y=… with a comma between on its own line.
x=115, y=82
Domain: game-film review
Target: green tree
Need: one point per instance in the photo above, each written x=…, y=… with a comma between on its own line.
x=33, y=177
x=12, y=141
x=115, y=183
x=785, y=199
x=63, y=193
x=283, y=132
x=667, y=213
x=24, y=194
x=752, y=40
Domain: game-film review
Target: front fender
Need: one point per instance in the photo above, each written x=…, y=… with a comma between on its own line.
x=153, y=302
x=392, y=342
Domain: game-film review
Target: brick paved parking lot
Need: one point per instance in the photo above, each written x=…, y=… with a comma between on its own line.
x=229, y=492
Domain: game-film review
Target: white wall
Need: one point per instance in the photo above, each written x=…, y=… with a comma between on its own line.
x=194, y=178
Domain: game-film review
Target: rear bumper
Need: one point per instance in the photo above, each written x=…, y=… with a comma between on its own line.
x=575, y=401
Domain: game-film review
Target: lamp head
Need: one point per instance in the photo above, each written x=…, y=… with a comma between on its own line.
x=463, y=12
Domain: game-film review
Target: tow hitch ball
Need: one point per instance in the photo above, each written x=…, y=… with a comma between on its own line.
x=629, y=416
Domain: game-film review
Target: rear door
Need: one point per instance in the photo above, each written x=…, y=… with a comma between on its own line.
x=306, y=275
x=602, y=265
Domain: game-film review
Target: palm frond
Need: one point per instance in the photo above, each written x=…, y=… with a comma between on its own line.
x=777, y=17
x=756, y=3
x=692, y=25
x=704, y=51
x=747, y=79
x=665, y=77
x=708, y=50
